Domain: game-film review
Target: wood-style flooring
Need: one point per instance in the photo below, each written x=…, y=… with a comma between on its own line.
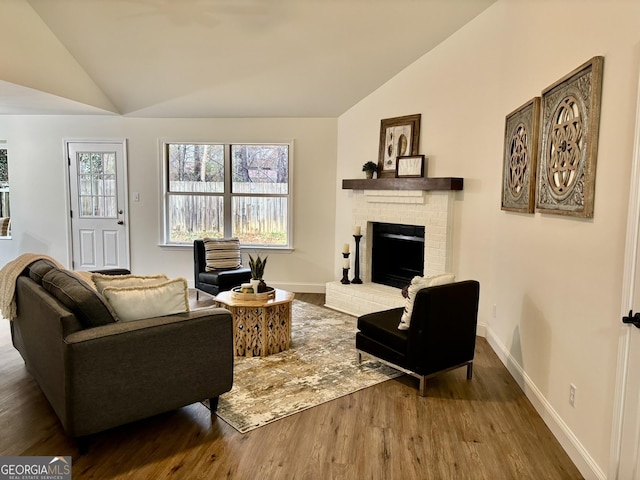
x=484, y=428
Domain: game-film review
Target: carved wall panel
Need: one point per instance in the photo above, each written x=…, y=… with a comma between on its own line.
x=569, y=147
x=522, y=127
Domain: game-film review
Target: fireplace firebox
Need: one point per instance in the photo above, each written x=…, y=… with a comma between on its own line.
x=397, y=253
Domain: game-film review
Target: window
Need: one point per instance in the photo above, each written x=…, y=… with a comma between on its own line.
x=228, y=190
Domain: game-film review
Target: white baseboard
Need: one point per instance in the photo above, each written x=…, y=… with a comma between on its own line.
x=481, y=329
x=569, y=442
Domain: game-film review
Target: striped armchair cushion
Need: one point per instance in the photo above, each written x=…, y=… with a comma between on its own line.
x=222, y=253
x=5, y=226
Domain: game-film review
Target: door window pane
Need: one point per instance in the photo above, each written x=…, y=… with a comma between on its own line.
x=97, y=184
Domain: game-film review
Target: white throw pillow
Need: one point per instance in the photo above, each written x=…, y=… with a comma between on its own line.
x=134, y=303
x=102, y=281
x=417, y=284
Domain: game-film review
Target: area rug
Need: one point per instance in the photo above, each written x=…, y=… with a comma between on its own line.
x=320, y=366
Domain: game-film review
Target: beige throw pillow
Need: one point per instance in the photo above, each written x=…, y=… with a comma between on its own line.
x=102, y=281
x=417, y=284
x=134, y=303
x=222, y=253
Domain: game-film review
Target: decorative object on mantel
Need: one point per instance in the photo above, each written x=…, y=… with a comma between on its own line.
x=410, y=166
x=370, y=168
x=257, y=266
x=521, y=131
x=357, y=235
x=399, y=137
x=569, y=147
x=345, y=264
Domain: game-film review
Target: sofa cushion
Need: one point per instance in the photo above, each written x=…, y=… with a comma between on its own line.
x=38, y=269
x=417, y=284
x=222, y=253
x=103, y=281
x=87, y=304
x=134, y=303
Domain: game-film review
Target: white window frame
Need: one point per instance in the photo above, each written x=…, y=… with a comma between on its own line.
x=227, y=194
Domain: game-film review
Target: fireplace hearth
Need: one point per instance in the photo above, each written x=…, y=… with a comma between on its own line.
x=397, y=253
x=432, y=211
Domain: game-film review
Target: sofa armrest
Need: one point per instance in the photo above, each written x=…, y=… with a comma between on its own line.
x=125, y=371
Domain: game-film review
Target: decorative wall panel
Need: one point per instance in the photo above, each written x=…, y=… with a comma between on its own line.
x=522, y=128
x=568, y=152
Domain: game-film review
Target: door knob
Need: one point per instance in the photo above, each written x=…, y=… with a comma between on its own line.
x=120, y=222
x=632, y=319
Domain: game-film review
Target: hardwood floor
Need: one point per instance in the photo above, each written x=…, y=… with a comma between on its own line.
x=479, y=429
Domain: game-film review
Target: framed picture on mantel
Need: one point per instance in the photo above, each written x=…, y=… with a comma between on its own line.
x=399, y=137
x=410, y=166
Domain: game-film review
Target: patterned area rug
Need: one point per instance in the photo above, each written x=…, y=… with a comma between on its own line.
x=320, y=366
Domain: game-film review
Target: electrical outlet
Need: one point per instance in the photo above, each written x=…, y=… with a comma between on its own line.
x=495, y=310
x=572, y=395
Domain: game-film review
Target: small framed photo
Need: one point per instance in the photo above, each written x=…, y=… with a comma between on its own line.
x=410, y=166
x=399, y=136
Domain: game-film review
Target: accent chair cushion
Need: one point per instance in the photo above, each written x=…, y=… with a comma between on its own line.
x=222, y=253
x=417, y=284
x=382, y=328
x=5, y=226
x=134, y=303
x=88, y=305
x=103, y=281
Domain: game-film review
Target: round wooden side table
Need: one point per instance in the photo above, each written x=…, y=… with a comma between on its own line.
x=260, y=327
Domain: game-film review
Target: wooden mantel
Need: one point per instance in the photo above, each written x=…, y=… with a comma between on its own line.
x=441, y=183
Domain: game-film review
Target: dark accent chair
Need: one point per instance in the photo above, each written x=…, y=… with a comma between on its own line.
x=218, y=280
x=441, y=336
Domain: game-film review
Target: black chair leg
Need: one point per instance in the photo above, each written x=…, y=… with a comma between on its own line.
x=83, y=445
x=213, y=404
x=422, y=388
x=469, y=371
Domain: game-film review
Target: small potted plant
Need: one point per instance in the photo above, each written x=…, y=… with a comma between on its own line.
x=257, y=271
x=369, y=168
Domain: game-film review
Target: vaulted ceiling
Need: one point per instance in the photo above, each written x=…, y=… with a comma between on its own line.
x=213, y=58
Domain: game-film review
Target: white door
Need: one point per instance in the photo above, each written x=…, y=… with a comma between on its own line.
x=98, y=197
x=625, y=458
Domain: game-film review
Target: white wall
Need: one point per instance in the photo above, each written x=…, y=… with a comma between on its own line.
x=555, y=281
x=39, y=203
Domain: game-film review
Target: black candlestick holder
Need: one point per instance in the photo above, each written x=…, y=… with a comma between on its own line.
x=356, y=266
x=345, y=271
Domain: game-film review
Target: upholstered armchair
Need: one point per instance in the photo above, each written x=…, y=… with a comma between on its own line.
x=441, y=334
x=219, y=274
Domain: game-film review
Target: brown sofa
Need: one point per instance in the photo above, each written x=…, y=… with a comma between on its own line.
x=100, y=377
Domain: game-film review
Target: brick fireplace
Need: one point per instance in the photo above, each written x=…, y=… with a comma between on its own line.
x=431, y=209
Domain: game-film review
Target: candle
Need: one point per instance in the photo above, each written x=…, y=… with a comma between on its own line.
x=345, y=248
x=356, y=230
x=345, y=263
